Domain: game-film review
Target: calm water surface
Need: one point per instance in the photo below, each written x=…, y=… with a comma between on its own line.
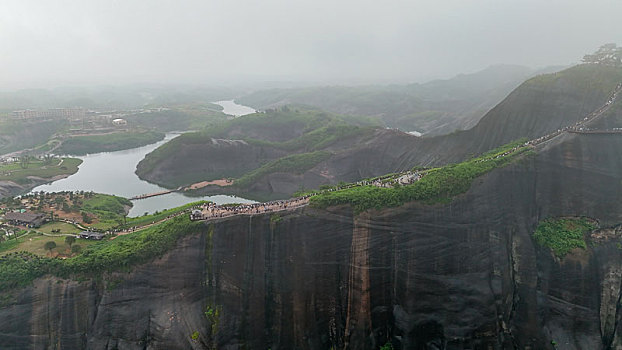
x=232, y=108
x=113, y=173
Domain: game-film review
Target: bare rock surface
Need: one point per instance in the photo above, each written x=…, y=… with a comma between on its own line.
x=462, y=275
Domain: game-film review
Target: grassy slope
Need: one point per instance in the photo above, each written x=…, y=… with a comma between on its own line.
x=176, y=119
x=16, y=135
x=155, y=217
x=543, y=104
x=20, y=269
x=107, y=203
x=586, y=78
x=34, y=243
x=294, y=131
x=324, y=136
x=439, y=185
x=257, y=122
x=13, y=172
x=80, y=145
x=109, y=210
x=295, y=163
x=62, y=226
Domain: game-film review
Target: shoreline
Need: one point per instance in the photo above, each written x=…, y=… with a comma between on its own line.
x=7, y=186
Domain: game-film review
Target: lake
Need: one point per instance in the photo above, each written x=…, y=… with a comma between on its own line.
x=113, y=173
x=234, y=109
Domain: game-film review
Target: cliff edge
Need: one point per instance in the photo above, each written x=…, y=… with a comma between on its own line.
x=465, y=274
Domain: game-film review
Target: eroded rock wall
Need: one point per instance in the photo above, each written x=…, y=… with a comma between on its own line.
x=461, y=275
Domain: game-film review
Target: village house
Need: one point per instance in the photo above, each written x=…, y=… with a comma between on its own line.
x=91, y=235
x=27, y=219
x=119, y=122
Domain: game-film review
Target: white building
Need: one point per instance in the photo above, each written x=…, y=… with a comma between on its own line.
x=119, y=122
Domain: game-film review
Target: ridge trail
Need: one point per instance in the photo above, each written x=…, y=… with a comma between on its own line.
x=212, y=211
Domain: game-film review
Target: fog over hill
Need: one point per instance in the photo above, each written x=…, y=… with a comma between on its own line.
x=540, y=105
x=319, y=220
x=461, y=274
x=432, y=108
x=72, y=42
x=114, y=97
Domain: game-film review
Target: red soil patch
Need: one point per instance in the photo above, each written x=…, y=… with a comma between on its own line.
x=221, y=183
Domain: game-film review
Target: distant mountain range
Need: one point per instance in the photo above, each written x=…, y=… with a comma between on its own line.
x=529, y=256
x=433, y=108
x=351, y=152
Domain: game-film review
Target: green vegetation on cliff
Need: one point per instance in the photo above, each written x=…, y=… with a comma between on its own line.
x=438, y=185
x=159, y=215
x=80, y=145
x=271, y=128
x=275, y=134
x=540, y=106
x=584, y=79
x=563, y=235
x=335, y=130
x=295, y=163
x=20, y=269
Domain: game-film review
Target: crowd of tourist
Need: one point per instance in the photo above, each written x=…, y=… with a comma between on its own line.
x=579, y=126
x=211, y=210
x=405, y=178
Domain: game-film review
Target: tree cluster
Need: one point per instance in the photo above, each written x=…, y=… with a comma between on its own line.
x=608, y=54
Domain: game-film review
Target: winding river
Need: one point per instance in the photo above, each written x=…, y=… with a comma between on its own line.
x=113, y=173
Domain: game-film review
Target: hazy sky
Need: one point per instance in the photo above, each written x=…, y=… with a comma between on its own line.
x=56, y=42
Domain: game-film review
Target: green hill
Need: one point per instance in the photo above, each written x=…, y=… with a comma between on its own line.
x=253, y=146
x=17, y=135
x=436, y=107
x=539, y=106
x=80, y=145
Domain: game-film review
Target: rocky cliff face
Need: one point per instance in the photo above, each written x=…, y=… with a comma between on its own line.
x=436, y=107
x=219, y=158
x=537, y=107
x=463, y=275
